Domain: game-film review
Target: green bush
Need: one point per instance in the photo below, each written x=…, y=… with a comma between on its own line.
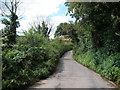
x=100, y=61
x=34, y=57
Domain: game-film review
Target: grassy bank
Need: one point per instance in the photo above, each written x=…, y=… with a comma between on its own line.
x=106, y=65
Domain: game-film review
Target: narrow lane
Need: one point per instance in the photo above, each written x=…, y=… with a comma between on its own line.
x=71, y=74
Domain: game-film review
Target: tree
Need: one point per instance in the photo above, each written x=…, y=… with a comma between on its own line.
x=42, y=26
x=67, y=29
x=102, y=19
x=9, y=10
x=61, y=29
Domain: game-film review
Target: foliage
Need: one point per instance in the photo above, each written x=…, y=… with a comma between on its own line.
x=98, y=27
x=31, y=59
x=42, y=28
x=103, y=20
x=106, y=65
x=11, y=21
x=67, y=29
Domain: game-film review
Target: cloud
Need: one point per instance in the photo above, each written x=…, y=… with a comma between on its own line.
x=60, y=19
x=57, y=20
x=1, y=26
x=30, y=9
x=41, y=7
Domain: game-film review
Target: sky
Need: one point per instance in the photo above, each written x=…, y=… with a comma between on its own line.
x=55, y=10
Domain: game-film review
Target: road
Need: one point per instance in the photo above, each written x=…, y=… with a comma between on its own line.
x=71, y=74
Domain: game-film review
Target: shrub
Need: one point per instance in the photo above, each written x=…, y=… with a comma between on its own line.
x=100, y=61
x=34, y=57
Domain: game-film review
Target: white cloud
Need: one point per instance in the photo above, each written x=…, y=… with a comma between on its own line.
x=57, y=20
x=30, y=9
x=60, y=19
x=1, y=26
x=41, y=7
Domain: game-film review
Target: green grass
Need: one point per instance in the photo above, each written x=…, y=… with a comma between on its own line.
x=106, y=65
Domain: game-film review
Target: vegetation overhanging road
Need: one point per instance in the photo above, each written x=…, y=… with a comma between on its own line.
x=71, y=74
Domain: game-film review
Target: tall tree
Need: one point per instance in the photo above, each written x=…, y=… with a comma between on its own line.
x=67, y=29
x=42, y=26
x=9, y=9
x=102, y=18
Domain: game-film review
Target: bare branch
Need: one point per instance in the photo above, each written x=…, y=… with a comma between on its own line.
x=11, y=6
x=50, y=30
x=5, y=3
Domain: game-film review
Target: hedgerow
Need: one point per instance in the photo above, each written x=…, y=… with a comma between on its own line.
x=33, y=58
x=106, y=65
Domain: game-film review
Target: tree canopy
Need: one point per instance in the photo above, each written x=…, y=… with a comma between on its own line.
x=9, y=10
x=102, y=20
x=67, y=29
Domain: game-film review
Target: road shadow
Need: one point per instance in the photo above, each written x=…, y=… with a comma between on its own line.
x=60, y=66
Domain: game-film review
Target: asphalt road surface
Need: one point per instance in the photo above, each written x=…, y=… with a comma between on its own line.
x=71, y=74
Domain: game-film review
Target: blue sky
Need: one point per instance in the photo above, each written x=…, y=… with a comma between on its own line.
x=0, y=18
x=62, y=11
x=54, y=9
